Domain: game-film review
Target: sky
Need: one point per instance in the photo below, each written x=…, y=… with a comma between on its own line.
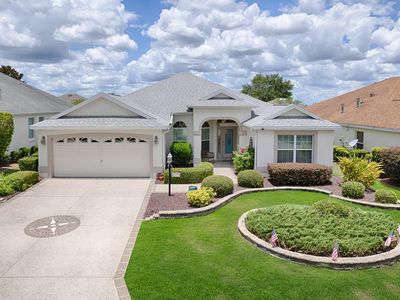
x=325, y=47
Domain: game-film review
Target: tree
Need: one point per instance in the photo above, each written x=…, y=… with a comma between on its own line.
x=10, y=71
x=6, y=131
x=286, y=101
x=77, y=101
x=268, y=87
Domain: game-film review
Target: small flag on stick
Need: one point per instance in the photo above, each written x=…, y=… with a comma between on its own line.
x=274, y=238
x=389, y=239
x=335, y=251
x=398, y=229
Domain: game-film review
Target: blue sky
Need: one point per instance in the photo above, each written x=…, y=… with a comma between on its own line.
x=325, y=47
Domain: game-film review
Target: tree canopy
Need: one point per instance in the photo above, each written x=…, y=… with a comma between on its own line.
x=268, y=87
x=6, y=131
x=10, y=71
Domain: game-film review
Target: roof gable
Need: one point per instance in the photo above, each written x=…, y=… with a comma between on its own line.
x=293, y=111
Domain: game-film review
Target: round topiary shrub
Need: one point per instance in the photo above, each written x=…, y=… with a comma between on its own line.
x=250, y=179
x=353, y=189
x=385, y=196
x=222, y=185
x=201, y=197
x=301, y=228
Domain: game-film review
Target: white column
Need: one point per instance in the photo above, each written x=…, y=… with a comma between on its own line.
x=196, y=148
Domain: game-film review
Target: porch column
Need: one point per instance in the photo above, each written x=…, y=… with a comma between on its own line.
x=196, y=147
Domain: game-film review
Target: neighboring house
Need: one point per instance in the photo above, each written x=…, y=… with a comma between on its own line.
x=70, y=98
x=370, y=114
x=28, y=106
x=129, y=136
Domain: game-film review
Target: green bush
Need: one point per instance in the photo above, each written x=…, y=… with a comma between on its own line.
x=302, y=229
x=330, y=207
x=243, y=160
x=250, y=179
x=5, y=188
x=353, y=189
x=360, y=153
x=385, y=196
x=299, y=174
x=201, y=197
x=376, y=154
x=191, y=175
x=360, y=170
x=35, y=154
x=181, y=153
x=222, y=185
x=391, y=162
x=22, y=180
x=28, y=163
x=6, y=131
x=340, y=151
x=33, y=149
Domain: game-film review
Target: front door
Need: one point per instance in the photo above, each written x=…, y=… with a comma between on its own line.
x=229, y=142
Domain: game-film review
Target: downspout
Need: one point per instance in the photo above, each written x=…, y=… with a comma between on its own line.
x=256, y=152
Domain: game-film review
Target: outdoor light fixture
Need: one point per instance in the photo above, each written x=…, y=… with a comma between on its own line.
x=43, y=140
x=169, y=164
x=156, y=140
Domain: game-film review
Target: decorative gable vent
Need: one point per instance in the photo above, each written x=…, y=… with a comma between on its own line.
x=358, y=102
x=341, y=108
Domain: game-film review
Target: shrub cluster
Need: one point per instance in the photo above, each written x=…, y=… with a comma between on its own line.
x=390, y=158
x=360, y=170
x=243, y=159
x=201, y=197
x=302, y=229
x=385, y=196
x=181, y=153
x=6, y=131
x=15, y=155
x=341, y=151
x=299, y=174
x=329, y=207
x=250, y=179
x=222, y=185
x=353, y=189
x=28, y=163
x=376, y=154
x=17, y=181
x=191, y=175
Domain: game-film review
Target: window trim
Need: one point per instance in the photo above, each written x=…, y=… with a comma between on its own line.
x=358, y=141
x=207, y=127
x=181, y=125
x=31, y=132
x=295, y=145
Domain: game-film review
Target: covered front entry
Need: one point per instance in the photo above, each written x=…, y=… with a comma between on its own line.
x=101, y=155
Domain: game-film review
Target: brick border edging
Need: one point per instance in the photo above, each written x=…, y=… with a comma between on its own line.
x=342, y=263
x=119, y=276
x=168, y=214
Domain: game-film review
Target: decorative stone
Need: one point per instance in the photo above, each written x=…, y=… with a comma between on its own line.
x=52, y=226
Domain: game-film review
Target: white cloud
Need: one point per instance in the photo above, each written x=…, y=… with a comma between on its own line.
x=120, y=42
x=11, y=38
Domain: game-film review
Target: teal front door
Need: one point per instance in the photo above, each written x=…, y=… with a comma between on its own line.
x=228, y=141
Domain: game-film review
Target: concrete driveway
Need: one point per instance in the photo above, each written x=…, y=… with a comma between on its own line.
x=76, y=265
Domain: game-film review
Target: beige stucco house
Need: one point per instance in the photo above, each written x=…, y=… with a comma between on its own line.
x=129, y=136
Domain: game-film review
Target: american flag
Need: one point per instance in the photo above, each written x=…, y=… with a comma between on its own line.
x=389, y=239
x=398, y=229
x=274, y=238
x=335, y=251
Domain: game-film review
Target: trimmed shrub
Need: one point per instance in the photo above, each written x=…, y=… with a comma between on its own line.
x=5, y=188
x=376, y=154
x=222, y=185
x=330, y=207
x=28, y=163
x=242, y=160
x=301, y=228
x=340, y=151
x=250, y=179
x=22, y=180
x=201, y=197
x=360, y=170
x=33, y=149
x=299, y=174
x=353, y=189
x=360, y=153
x=385, y=196
x=6, y=131
x=181, y=153
x=391, y=162
x=191, y=175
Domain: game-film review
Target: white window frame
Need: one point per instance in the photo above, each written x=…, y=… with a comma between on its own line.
x=31, y=132
x=183, y=127
x=295, y=146
x=209, y=137
x=358, y=141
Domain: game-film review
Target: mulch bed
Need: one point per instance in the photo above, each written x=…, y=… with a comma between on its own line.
x=161, y=201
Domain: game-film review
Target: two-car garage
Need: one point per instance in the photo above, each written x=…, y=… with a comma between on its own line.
x=101, y=155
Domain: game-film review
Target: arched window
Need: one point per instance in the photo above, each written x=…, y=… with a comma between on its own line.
x=180, y=131
x=205, y=137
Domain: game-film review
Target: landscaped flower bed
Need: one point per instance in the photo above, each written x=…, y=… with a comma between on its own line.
x=314, y=229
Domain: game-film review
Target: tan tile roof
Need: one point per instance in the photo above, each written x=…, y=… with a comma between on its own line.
x=380, y=106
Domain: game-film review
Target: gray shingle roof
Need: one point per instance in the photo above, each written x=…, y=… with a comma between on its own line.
x=292, y=123
x=19, y=98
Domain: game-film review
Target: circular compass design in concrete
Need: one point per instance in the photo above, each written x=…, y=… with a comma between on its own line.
x=52, y=226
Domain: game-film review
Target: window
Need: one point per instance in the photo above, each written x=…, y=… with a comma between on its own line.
x=180, y=131
x=360, y=138
x=31, y=133
x=107, y=141
x=60, y=141
x=119, y=140
x=94, y=141
x=294, y=148
x=130, y=140
x=205, y=137
x=41, y=119
x=71, y=140
x=83, y=140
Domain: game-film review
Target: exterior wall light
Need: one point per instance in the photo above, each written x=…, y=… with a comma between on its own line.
x=43, y=140
x=156, y=140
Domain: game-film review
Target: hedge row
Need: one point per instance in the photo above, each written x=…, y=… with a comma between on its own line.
x=28, y=163
x=191, y=175
x=18, y=181
x=341, y=151
x=15, y=155
x=390, y=158
x=299, y=174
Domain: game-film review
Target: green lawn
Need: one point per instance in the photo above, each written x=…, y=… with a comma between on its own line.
x=381, y=186
x=206, y=258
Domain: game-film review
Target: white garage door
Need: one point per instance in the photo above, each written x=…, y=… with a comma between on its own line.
x=101, y=156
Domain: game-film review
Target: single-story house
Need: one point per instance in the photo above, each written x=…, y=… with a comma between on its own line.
x=28, y=105
x=370, y=114
x=129, y=136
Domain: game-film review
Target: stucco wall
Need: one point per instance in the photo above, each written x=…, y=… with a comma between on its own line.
x=169, y=137
x=21, y=135
x=372, y=138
